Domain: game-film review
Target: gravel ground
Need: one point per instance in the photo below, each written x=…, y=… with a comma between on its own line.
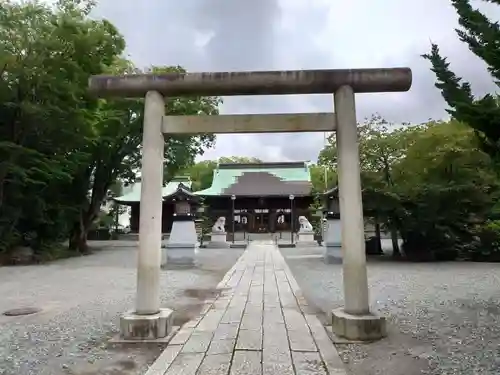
x=81, y=301
x=443, y=318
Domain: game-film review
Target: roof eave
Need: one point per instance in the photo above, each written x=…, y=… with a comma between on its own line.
x=182, y=192
x=126, y=201
x=256, y=196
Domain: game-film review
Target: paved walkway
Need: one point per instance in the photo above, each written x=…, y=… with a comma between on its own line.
x=259, y=324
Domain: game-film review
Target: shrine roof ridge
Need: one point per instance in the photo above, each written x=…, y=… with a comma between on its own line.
x=322, y=81
x=134, y=192
x=263, y=165
x=181, y=190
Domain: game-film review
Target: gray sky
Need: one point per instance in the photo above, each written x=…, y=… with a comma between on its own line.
x=220, y=35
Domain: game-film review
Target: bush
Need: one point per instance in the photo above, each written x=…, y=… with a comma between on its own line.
x=486, y=244
x=430, y=246
x=372, y=246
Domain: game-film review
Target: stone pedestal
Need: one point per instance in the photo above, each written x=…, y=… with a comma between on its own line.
x=181, y=246
x=333, y=240
x=136, y=327
x=369, y=327
x=306, y=238
x=218, y=240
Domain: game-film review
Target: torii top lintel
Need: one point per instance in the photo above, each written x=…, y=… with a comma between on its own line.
x=253, y=83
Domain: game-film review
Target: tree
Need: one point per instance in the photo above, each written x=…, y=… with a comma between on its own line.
x=239, y=160
x=446, y=186
x=61, y=149
x=381, y=146
x=205, y=224
x=432, y=183
x=201, y=174
x=115, y=149
x=316, y=219
x=481, y=114
x=47, y=55
x=322, y=177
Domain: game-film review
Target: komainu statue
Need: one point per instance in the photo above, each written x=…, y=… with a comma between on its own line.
x=305, y=225
x=219, y=225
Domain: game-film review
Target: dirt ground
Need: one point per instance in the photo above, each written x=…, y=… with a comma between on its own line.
x=81, y=300
x=443, y=318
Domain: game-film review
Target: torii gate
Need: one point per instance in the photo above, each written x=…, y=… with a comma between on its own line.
x=354, y=320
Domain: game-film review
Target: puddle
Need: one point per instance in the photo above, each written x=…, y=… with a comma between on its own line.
x=186, y=312
x=121, y=367
x=203, y=293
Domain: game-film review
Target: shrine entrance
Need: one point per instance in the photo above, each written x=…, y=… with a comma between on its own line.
x=148, y=320
x=261, y=220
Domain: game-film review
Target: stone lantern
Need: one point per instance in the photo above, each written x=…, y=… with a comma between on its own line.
x=333, y=233
x=183, y=240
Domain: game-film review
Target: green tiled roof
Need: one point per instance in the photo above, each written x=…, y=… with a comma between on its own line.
x=260, y=179
x=133, y=192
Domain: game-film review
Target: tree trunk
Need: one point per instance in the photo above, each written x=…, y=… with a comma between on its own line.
x=378, y=236
x=78, y=236
x=78, y=240
x=3, y=175
x=396, y=253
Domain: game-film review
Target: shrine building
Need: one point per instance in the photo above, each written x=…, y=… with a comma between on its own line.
x=264, y=197
x=132, y=198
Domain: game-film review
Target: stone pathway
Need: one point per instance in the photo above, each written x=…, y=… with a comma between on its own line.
x=259, y=324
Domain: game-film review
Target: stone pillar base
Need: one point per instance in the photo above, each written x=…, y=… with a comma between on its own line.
x=218, y=240
x=306, y=239
x=369, y=327
x=183, y=234
x=333, y=254
x=181, y=254
x=134, y=327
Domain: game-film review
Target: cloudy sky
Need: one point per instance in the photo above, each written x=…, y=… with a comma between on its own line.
x=231, y=35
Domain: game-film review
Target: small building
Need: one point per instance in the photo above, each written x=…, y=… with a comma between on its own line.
x=267, y=197
x=331, y=210
x=133, y=199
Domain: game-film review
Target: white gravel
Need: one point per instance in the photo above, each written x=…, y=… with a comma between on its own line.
x=444, y=318
x=81, y=301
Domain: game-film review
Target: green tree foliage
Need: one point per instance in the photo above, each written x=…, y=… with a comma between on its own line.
x=446, y=187
x=316, y=218
x=238, y=160
x=62, y=150
x=205, y=224
x=481, y=114
x=47, y=55
x=322, y=177
x=381, y=146
x=430, y=184
x=115, y=149
x=487, y=247
x=201, y=174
